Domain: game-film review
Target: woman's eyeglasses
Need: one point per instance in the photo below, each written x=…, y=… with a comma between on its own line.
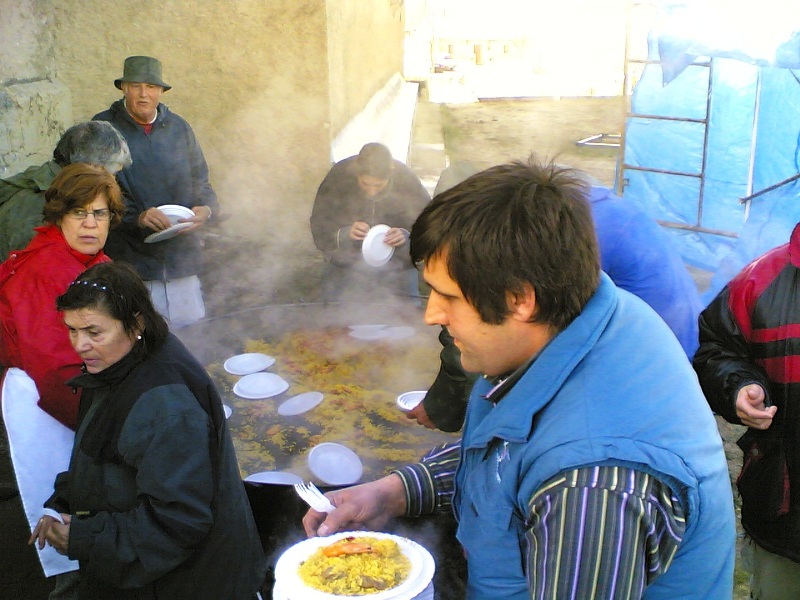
x=101, y=214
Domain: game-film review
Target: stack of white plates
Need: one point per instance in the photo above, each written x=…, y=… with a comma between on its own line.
x=174, y=212
x=417, y=586
x=410, y=400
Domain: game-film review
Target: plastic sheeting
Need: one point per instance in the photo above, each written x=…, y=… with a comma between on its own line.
x=751, y=140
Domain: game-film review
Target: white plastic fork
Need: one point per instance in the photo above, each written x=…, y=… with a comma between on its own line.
x=313, y=497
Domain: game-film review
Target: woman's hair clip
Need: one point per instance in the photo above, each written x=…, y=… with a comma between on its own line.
x=96, y=285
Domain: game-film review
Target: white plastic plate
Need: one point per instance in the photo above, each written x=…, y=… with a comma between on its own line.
x=250, y=362
x=160, y=236
x=175, y=211
x=288, y=583
x=275, y=477
x=335, y=464
x=398, y=333
x=409, y=400
x=373, y=248
x=260, y=385
x=299, y=404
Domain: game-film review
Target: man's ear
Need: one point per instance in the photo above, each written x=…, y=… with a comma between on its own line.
x=523, y=305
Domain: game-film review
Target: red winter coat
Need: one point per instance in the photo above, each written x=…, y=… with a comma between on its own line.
x=32, y=334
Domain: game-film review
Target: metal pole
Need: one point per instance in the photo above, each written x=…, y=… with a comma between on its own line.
x=753, y=139
x=627, y=108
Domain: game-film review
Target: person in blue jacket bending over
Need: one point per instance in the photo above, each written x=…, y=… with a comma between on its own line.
x=640, y=258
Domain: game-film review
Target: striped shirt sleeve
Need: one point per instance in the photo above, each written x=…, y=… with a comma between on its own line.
x=601, y=533
x=429, y=483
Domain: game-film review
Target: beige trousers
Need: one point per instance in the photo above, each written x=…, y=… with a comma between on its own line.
x=180, y=300
x=774, y=577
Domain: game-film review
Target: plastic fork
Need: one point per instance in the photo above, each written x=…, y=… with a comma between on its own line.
x=313, y=497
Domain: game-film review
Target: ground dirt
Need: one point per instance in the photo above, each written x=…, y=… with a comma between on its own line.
x=495, y=131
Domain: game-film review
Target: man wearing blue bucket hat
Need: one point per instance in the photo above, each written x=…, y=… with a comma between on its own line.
x=169, y=169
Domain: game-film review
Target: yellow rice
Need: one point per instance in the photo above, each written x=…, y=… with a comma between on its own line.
x=357, y=574
x=360, y=383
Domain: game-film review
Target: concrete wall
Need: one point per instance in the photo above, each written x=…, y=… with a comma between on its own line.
x=365, y=40
x=386, y=118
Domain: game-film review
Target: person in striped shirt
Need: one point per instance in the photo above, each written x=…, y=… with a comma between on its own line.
x=590, y=464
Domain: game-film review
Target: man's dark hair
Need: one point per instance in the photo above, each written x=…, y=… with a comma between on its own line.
x=93, y=142
x=375, y=160
x=512, y=225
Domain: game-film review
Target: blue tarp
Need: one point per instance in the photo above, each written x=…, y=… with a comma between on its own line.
x=751, y=141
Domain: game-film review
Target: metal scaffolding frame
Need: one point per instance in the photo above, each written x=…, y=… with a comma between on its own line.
x=622, y=166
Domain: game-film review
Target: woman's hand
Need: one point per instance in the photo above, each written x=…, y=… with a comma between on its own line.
x=49, y=530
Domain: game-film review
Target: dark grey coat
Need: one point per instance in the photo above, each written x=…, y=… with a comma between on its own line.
x=157, y=503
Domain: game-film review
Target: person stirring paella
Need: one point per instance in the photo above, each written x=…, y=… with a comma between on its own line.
x=152, y=505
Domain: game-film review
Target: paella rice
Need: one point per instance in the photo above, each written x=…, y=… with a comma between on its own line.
x=360, y=383
x=356, y=566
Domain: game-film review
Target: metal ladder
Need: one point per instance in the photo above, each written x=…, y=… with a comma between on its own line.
x=634, y=66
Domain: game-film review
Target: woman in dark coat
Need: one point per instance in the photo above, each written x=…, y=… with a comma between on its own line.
x=152, y=505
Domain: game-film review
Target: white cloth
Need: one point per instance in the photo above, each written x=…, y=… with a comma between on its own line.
x=40, y=450
x=180, y=300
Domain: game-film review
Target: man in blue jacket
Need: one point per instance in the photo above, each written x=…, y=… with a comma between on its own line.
x=590, y=464
x=635, y=253
x=168, y=168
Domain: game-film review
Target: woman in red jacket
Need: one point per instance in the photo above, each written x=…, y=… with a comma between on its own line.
x=82, y=203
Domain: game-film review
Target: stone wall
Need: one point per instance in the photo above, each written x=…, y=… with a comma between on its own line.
x=35, y=107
